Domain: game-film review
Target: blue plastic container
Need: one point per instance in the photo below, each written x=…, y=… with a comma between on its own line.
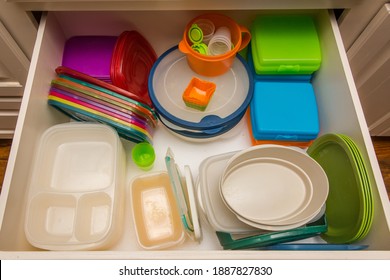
x=284, y=110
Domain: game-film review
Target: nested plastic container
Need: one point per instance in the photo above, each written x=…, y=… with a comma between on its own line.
x=284, y=110
x=132, y=59
x=233, y=233
x=214, y=65
x=168, y=80
x=164, y=207
x=75, y=199
x=285, y=45
x=90, y=54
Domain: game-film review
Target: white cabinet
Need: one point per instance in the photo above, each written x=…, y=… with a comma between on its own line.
x=369, y=57
x=17, y=36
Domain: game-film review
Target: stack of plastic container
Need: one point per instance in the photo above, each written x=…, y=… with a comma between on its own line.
x=284, y=54
x=105, y=79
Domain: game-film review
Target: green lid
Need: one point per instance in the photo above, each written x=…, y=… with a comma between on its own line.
x=195, y=34
x=285, y=44
x=200, y=48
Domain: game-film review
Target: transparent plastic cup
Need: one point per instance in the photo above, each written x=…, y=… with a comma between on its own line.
x=208, y=29
x=221, y=42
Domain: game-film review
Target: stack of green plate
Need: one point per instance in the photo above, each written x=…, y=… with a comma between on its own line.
x=349, y=207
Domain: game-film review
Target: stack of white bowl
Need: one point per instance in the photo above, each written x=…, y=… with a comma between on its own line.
x=274, y=187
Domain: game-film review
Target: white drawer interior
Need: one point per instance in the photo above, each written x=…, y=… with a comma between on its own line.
x=339, y=112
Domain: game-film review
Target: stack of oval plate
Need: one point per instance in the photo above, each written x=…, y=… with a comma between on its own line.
x=350, y=204
x=274, y=187
x=168, y=80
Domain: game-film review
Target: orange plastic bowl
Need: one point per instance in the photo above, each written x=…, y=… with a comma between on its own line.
x=208, y=65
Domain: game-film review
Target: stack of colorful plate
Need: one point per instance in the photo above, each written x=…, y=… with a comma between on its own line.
x=85, y=98
x=349, y=207
x=170, y=77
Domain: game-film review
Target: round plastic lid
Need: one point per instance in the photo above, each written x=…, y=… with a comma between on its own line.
x=170, y=76
x=195, y=34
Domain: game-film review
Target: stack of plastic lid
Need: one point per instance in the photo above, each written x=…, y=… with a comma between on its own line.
x=85, y=98
x=90, y=55
x=284, y=53
x=169, y=79
x=124, y=61
x=132, y=60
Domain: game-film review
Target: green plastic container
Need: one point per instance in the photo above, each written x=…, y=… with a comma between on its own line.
x=285, y=44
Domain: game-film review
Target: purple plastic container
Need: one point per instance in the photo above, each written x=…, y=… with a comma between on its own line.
x=90, y=55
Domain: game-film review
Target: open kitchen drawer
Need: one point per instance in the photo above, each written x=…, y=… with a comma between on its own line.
x=339, y=112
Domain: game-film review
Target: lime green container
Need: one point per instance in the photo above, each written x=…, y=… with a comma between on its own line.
x=285, y=44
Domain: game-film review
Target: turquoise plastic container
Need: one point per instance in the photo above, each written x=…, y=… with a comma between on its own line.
x=285, y=44
x=284, y=110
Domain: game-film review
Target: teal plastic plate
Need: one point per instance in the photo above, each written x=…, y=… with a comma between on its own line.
x=229, y=242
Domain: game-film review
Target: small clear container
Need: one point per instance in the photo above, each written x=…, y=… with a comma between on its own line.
x=163, y=207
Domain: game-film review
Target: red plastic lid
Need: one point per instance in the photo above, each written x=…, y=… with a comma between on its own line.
x=132, y=60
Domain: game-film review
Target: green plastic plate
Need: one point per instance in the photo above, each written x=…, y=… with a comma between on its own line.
x=348, y=205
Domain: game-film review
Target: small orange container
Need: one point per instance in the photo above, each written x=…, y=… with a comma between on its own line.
x=208, y=65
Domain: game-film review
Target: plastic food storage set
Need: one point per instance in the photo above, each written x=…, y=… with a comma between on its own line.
x=104, y=177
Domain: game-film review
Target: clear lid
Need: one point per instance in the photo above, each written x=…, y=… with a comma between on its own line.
x=185, y=196
x=171, y=75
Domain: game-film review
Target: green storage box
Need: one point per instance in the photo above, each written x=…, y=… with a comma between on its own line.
x=285, y=45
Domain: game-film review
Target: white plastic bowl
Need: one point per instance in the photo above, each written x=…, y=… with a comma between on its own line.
x=274, y=195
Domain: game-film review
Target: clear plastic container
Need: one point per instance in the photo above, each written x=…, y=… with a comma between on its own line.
x=164, y=207
x=75, y=196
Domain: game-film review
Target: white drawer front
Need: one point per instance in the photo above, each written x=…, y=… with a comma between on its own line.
x=339, y=109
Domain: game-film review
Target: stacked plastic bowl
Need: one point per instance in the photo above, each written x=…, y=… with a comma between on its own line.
x=274, y=188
